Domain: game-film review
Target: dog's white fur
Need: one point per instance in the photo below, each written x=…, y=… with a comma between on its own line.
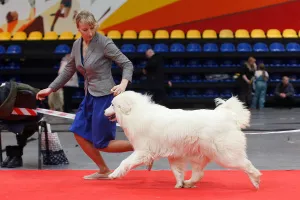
x=196, y=137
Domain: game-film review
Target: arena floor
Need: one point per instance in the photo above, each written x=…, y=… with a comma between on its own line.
x=273, y=147
x=273, y=144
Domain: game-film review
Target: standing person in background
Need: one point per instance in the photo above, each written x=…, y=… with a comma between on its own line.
x=261, y=78
x=70, y=87
x=245, y=80
x=92, y=55
x=154, y=71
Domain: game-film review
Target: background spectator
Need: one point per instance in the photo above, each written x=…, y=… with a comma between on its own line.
x=284, y=93
x=261, y=77
x=245, y=86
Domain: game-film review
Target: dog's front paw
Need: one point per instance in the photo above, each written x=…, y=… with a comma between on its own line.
x=188, y=184
x=112, y=176
x=179, y=185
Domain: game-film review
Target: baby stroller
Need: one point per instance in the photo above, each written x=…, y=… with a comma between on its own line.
x=19, y=95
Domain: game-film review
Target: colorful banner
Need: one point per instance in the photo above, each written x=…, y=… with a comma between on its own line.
x=58, y=15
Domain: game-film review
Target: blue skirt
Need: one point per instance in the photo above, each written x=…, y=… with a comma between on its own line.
x=90, y=122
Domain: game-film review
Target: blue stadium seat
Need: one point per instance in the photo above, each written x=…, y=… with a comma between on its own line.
x=293, y=63
x=229, y=80
x=277, y=63
x=227, y=47
x=128, y=48
x=177, y=93
x=193, y=63
x=177, y=78
x=177, y=47
x=193, y=78
x=62, y=49
x=142, y=48
x=161, y=48
x=275, y=77
x=141, y=63
x=228, y=63
x=260, y=47
x=210, y=63
x=2, y=49
x=293, y=78
x=12, y=66
x=210, y=94
x=277, y=47
x=226, y=94
x=177, y=63
x=13, y=49
x=293, y=47
x=244, y=47
x=210, y=47
x=193, y=93
x=193, y=47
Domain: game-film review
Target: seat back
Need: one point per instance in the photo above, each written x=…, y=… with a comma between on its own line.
x=25, y=99
x=242, y=33
x=193, y=34
x=226, y=33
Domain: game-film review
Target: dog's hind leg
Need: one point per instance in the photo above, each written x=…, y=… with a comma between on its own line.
x=253, y=173
x=198, y=165
x=241, y=163
x=136, y=159
x=177, y=166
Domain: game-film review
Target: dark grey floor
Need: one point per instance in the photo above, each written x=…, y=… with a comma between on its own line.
x=268, y=151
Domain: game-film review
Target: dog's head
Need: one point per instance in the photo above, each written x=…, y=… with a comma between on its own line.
x=125, y=103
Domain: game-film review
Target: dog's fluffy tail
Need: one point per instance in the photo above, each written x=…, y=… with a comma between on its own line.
x=240, y=113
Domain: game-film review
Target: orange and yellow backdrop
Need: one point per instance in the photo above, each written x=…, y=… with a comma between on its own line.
x=155, y=14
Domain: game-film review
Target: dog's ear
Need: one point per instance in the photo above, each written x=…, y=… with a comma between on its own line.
x=125, y=107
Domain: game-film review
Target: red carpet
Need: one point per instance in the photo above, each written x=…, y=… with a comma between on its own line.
x=143, y=185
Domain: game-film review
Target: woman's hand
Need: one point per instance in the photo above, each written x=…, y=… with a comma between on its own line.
x=41, y=95
x=118, y=89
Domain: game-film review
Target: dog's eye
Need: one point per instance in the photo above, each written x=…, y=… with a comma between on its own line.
x=112, y=105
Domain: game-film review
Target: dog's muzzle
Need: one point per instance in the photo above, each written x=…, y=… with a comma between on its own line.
x=112, y=117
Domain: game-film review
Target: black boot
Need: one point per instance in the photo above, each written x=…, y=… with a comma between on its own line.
x=16, y=161
x=9, y=156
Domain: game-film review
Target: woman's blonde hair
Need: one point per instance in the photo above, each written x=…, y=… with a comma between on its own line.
x=85, y=17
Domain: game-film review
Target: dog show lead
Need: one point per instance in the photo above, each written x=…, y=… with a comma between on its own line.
x=92, y=55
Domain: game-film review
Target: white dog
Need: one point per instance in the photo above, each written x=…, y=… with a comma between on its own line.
x=196, y=137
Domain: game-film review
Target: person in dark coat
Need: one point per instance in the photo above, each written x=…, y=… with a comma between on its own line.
x=284, y=93
x=154, y=71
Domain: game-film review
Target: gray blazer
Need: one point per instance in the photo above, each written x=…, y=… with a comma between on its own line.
x=96, y=67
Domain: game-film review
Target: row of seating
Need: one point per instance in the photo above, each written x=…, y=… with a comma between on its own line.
x=175, y=93
x=17, y=49
x=189, y=63
x=36, y=35
x=210, y=93
x=195, y=63
x=158, y=34
x=194, y=78
x=213, y=47
x=178, y=47
x=207, y=34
